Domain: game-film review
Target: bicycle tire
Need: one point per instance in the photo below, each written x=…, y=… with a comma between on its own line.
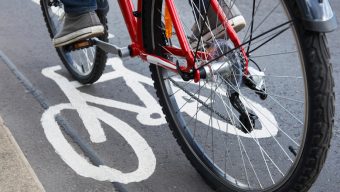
x=320, y=99
x=99, y=56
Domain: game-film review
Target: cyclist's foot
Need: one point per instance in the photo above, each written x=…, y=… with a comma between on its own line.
x=236, y=20
x=78, y=27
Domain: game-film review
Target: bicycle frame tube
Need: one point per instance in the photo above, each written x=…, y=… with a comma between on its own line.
x=230, y=30
x=134, y=25
x=181, y=35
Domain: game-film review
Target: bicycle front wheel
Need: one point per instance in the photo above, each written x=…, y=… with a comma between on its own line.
x=271, y=137
x=85, y=65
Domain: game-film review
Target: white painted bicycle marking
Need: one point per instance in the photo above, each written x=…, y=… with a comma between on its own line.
x=267, y=120
x=146, y=158
x=91, y=117
x=90, y=121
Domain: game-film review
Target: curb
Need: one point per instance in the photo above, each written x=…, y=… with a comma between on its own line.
x=26, y=180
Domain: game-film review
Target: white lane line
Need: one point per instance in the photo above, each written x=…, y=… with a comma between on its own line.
x=111, y=36
x=36, y=1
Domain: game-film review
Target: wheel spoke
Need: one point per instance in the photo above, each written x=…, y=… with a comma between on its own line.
x=252, y=166
x=263, y=20
x=250, y=148
x=270, y=39
x=285, y=109
x=81, y=61
x=273, y=54
x=237, y=48
x=251, y=26
x=273, y=124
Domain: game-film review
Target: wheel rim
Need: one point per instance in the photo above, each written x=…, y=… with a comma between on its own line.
x=283, y=118
x=81, y=62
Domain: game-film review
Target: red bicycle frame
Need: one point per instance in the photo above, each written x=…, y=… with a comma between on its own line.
x=134, y=26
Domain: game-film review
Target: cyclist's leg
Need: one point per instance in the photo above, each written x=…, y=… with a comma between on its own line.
x=81, y=22
x=102, y=7
x=75, y=7
x=79, y=6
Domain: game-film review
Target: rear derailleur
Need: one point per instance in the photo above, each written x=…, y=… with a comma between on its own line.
x=247, y=118
x=255, y=81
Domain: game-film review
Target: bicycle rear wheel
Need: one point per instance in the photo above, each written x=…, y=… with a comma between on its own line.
x=85, y=65
x=282, y=142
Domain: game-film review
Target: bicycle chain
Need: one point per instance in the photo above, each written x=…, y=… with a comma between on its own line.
x=242, y=60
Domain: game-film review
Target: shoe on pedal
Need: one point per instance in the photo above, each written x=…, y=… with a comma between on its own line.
x=235, y=19
x=78, y=27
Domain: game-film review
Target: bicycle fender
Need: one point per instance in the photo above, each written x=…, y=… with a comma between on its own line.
x=317, y=15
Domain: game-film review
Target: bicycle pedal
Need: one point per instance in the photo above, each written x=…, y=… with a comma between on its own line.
x=110, y=48
x=83, y=44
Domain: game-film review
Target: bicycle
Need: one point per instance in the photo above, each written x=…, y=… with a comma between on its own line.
x=205, y=86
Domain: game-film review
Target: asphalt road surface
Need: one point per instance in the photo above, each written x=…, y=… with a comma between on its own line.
x=25, y=42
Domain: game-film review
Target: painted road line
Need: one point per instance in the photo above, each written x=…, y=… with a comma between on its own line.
x=17, y=174
x=80, y=102
x=39, y=97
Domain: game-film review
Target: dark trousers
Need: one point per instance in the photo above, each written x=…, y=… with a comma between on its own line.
x=83, y=6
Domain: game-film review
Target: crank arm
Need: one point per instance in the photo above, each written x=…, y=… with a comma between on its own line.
x=113, y=49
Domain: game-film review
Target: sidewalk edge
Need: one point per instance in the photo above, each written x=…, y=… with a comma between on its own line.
x=22, y=155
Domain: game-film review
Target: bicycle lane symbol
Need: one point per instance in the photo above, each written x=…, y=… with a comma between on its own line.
x=91, y=117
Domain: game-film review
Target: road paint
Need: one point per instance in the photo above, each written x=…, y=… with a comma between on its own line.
x=136, y=81
x=91, y=117
x=36, y=1
x=39, y=97
x=269, y=125
x=146, y=158
x=91, y=123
